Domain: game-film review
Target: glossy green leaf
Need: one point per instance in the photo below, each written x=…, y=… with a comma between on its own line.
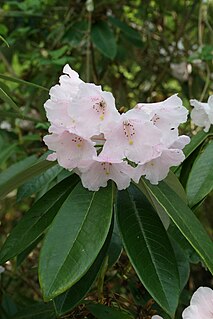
x=12, y=79
x=104, y=312
x=38, y=311
x=184, y=219
x=72, y=297
x=115, y=247
x=38, y=182
x=78, y=232
x=182, y=263
x=24, y=254
x=38, y=218
x=104, y=39
x=20, y=172
x=175, y=184
x=200, y=181
x=148, y=247
x=195, y=142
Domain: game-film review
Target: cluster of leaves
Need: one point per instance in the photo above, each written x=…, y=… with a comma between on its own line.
x=128, y=48
x=82, y=238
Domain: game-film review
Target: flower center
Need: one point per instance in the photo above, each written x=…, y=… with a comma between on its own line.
x=99, y=105
x=129, y=131
x=106, y=167
x=78, y=141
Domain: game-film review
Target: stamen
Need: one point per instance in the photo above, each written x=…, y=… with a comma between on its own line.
x=106, y=167
x=155, y=119
x=100, y=107
x=129, y=131
x=78, y=141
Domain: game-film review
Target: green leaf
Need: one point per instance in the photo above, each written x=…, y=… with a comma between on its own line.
x=195, y=142
x=38, y=311
x=184, y=219
x=12, y=79
x=182, y=263
x=38, y=182
x=24, y=254
x=104, y=39
x=72, y=297
x=7, y=152
x=104, y=312
x=115, y=247
x=148, y=247
x=5, y=97
x=5, y=41
x=200, y=181
x=80, y=227
x=20, y=172
x=15, y=115
x=38, y=218
x=130, y=33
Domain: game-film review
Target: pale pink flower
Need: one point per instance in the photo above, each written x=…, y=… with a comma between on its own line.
x=92, y=109
x=71, y=150
x=201, y=305
x=157, y=317
x=167, y=114
x=202, y=113
x=103, y=169
x=171, y=154
x=61, y=97
x=132, y=138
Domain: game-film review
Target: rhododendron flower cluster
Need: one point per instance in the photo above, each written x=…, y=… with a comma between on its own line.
x=202, y=113
x=89, y=135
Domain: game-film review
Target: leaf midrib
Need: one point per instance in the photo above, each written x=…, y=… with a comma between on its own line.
x=171, y=216
x=148, y=246
x=74, y=241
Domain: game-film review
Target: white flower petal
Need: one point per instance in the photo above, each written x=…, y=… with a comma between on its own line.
x=201, y=305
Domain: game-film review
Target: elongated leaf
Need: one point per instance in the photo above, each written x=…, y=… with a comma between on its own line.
x=20, y=172
x=15, y=115
x=184, y=219
x=12, y=79
x=7, y=152
x=78, y=233
x=5, y=97
x=195, y=142
x=68, y=300
x=148, y=247
x=115, y=247
x=36, y=183
x=182, y=263
x=200, y=181
x=37, y=311
x=23, y=255
x=5, y=41
x=104, y=312
x=104, y=39
x=38, y=218
x=129, y=31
